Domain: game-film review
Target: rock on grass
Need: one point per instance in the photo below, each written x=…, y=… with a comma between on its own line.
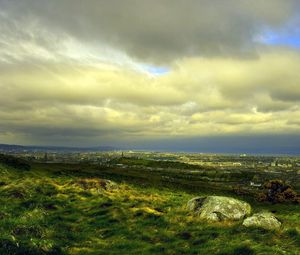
x=265, y=220
x=218, y=208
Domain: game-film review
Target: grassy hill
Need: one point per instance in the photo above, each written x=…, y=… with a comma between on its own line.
x=52, y=210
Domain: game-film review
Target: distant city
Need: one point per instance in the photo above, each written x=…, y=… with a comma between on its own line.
x=260, y=166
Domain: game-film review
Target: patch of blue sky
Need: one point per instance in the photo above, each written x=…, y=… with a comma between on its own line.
x=156, y=70
x=278, y=38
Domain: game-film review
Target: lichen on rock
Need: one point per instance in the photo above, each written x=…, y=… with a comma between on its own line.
x=219, y=208
x=265, y=220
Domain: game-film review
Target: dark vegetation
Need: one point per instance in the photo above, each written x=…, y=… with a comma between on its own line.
x=277, y=191
x=70, y=209
x=153, y=163
x=14, y=162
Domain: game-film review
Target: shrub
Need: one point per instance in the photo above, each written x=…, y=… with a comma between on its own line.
x=277, y=191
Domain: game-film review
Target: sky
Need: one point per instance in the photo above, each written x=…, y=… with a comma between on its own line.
x=201, y=75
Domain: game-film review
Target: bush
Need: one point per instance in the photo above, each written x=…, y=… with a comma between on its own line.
x=277, y=191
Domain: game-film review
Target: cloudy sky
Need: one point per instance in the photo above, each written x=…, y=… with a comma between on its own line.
x=161, y=74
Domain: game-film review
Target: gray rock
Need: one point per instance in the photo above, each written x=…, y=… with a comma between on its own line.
x=218, y=208
x=265, y=220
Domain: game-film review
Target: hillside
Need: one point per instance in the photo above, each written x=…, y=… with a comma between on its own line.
x=47, y=210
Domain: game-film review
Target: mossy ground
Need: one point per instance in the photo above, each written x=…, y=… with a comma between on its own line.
x=44, y=213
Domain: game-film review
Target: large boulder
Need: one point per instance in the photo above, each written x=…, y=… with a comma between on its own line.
x=265, y=220
x=218, y=208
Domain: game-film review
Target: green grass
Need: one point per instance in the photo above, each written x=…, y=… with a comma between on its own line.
x=48, y=211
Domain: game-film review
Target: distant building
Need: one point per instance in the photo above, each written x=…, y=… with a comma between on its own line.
x=274, y=163
x=253, y=184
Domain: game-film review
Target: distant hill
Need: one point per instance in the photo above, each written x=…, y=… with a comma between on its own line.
x=23, y=148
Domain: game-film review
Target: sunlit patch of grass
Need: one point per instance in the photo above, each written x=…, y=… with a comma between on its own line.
x=145, y=210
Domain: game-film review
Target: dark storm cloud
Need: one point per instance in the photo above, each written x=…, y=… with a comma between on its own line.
x=158, y=30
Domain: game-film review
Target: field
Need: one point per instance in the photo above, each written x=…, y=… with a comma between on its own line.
x=67, y=209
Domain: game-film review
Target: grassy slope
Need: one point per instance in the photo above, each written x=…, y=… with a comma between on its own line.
x=42, y=212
